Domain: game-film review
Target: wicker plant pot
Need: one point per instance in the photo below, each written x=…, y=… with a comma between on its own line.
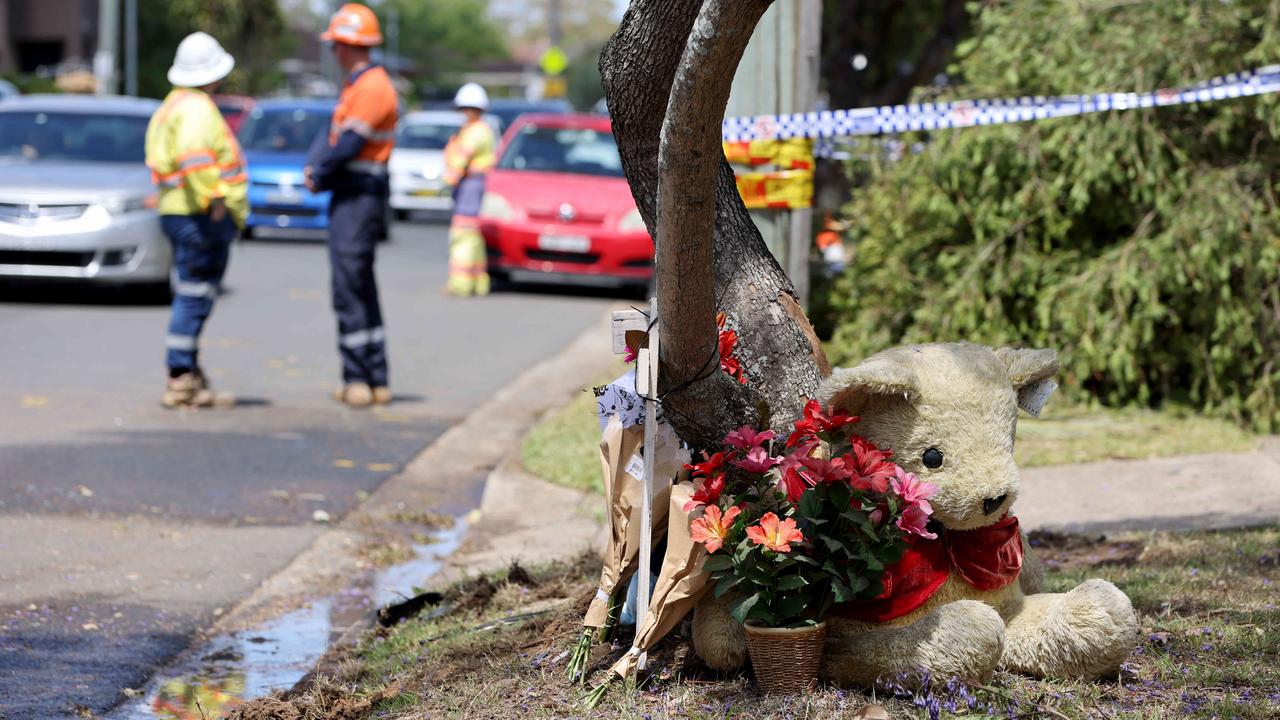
x=786, y=660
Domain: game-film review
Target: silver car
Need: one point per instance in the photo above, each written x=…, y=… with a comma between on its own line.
x=417, y=160
x=74, y=190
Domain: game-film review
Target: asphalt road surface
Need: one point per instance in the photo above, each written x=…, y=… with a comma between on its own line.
x=125, y=527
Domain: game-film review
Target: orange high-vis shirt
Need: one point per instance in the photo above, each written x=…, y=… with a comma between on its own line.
x=369, y=107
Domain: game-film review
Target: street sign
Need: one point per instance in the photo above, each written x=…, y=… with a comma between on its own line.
x=553, y=61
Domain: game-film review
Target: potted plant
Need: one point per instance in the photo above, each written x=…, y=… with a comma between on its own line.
x=793, y=528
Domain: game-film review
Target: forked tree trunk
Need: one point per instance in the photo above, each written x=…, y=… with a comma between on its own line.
x=667, y=73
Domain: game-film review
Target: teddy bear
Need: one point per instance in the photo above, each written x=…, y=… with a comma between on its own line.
x=969, y=602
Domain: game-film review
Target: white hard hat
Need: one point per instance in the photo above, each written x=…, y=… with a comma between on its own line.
x=471, y=95
x=200, y=60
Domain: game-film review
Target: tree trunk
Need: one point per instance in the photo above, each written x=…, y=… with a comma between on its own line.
x=667, y=81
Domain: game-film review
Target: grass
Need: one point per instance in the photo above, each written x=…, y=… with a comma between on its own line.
x=564, y=448
x=1209, y=647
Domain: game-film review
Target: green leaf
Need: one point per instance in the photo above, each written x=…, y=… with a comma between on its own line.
x=741, y=608
x=718, y=562
x=726, y=584
x=791, y=582
x=810, y=503
x=841, y=591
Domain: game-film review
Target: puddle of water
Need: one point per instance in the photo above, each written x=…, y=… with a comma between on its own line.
x=233, y=668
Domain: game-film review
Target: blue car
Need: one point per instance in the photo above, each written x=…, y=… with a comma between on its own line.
x=275, y=138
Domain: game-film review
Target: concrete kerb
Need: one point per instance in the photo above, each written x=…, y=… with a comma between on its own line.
x=473, y=470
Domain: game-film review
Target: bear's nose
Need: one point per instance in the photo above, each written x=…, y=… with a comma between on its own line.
x=990, y=505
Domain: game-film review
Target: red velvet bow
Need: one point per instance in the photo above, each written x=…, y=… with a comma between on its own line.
x=987, y=558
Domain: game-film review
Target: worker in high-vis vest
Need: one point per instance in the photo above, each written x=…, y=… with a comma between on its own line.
x=467, y=157
x=197, y=166
x=353, y=164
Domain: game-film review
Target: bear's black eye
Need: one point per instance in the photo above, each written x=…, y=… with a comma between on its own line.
x=932, y=458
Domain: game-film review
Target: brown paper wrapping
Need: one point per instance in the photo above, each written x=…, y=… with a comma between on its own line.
x=681, y=584
x=624, y=494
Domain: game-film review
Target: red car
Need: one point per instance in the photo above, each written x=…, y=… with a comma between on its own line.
x=557, y=207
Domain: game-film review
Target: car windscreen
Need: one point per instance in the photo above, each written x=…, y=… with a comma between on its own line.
x=41, y=136
x=425, y=136
x=567, y=150
x=290, y=131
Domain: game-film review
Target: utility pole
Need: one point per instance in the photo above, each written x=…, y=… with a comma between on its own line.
x=393, y=37
x=779, y=75
x=554, y=29
x=131, y=47
x=104, y=60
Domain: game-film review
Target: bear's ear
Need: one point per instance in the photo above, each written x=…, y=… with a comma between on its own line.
x=883, y=374
x=1027, y=366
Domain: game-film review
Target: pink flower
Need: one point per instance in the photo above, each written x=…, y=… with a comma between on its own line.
x=915, y=520
x=825, y=471
x=877, y=516
x=757, y=460
x=631, y=355
x=913, y=491
x=746, y=437
x=713, y=527
x=776, y=535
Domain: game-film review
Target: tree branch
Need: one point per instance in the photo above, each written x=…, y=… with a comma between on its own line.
x=783, y=358
x=688, y=165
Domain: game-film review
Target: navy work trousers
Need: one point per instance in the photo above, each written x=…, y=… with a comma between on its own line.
x=355, y=224
x=200, y=251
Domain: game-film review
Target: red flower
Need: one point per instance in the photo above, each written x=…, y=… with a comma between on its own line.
x=707, y=493
x=869, y=466
x=816, y=421
x=710, y=465
x=728, y=363
x=794, y=484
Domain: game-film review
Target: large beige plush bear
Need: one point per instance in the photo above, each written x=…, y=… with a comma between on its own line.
x=948, y=412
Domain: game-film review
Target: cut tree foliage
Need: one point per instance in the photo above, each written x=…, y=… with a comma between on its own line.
x=667, y=73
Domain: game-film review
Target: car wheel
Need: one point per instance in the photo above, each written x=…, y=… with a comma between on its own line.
x=402, y=215
x=246, y=233
x=499, y=280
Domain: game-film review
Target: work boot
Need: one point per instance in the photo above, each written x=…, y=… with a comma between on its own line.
x=355, y=394
x=191, y=389
x=382, y=395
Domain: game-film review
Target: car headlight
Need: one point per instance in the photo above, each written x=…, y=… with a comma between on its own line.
x=495, y=207
x=632, y=222
x=121, y=206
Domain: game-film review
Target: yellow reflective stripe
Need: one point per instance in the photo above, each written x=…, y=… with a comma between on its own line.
x=196, y=160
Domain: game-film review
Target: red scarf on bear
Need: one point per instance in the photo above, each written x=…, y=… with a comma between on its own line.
x=987, y=558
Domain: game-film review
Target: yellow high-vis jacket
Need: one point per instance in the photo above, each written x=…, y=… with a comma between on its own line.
x=194, y=158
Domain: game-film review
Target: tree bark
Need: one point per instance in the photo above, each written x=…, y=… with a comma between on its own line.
x=667, y=81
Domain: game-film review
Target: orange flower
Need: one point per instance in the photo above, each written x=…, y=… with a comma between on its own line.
x=776, y=535
x=713, y=527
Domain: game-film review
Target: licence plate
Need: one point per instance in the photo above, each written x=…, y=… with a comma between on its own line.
x=428, y=192
x=279, y=198
x=564, y=243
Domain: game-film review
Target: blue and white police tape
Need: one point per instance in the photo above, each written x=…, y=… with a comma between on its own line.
x=967, y=113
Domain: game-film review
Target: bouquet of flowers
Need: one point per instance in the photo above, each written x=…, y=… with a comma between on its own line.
x=793, y=527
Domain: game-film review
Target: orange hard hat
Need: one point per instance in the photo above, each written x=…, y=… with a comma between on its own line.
x=353, y=24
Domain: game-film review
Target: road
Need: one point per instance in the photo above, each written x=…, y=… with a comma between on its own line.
x=124, y=527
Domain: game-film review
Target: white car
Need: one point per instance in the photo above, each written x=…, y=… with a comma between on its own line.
x=74, y=190
x=417, y=162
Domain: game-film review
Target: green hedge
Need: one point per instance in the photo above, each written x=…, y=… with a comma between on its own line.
x=1143, y=245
